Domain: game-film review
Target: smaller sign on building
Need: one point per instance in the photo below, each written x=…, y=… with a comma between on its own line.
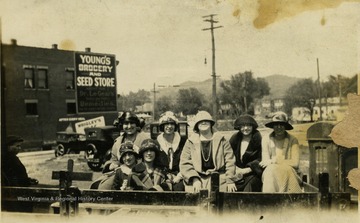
x=95, y=82
x=95, y=122
x=67, y=124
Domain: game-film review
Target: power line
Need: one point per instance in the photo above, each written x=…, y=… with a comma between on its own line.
x=210, y=19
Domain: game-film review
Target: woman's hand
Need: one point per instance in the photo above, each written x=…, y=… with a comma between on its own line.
x=196, y=185
x=265, y=163
x=113, y=166
x=177, y=179
x=231, y=187
x=243, y=171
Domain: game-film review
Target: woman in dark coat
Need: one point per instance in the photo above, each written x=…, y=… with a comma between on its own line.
x=246, y=144
x=128, y=159
x=171, y=146
x=148, y=175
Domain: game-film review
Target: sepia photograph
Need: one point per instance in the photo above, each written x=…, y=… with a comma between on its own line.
x=193, y=110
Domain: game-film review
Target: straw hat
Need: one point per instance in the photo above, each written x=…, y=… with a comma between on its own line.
x=280, y=118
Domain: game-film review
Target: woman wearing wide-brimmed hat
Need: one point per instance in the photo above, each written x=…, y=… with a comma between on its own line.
x=204, y=153
x=246, y=144
x=280, y=157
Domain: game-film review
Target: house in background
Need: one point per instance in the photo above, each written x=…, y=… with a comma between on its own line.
x=332, y=109
x=267, y=106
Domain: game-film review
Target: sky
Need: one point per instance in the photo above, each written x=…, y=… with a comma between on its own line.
x=161, y=42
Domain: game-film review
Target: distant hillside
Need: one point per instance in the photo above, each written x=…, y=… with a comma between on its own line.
x=205, y=87
x=278, y=85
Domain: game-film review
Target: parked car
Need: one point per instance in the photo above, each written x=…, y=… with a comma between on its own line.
x=99, y=141
x=69, y=142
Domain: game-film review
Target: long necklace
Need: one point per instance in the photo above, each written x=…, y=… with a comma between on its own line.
x=202, y=152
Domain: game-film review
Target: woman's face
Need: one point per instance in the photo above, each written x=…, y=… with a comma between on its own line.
x=149, y=156
x=204, y=126
x=129, y=159
x=130, y=128
x=246, y=129
x=169, y=128
x=16, y=148
x=279, y=130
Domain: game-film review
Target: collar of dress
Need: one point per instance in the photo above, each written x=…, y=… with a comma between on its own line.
x=164, y=145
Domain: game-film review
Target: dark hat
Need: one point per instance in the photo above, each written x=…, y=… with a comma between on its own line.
x=167, y=118
x=128, y=116
x=126, y=147
x=243, y=120
x=280, y=118
x=12, y=139
x=149, y=144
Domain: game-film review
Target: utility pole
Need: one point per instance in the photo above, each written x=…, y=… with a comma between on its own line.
x=245, y=93
x=154, y=102
x=212, y=21
x=340, y=88
x=154, y=91
x=319, y=86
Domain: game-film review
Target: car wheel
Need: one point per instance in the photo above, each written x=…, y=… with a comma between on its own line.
x=60, y=150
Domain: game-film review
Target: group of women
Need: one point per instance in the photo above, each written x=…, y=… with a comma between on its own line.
x=247, y=162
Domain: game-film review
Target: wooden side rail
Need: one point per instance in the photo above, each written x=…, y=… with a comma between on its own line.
x=28, y=199
x=143, y=197
x=105, y=202
x=68, y=200
x=240, y=201
x=29, y=194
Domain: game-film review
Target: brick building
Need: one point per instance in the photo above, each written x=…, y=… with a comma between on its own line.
x=38, y=88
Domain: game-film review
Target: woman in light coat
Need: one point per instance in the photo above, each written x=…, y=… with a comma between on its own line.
x=204, y=153
x=280, y=157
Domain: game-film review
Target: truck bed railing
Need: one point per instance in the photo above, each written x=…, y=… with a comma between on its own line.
x=68, y=200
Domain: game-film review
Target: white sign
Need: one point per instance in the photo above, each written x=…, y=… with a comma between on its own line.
x=95, y=122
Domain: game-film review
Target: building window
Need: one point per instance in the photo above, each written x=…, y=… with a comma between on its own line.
x=70, y=79
x=42, y=79
x=29, y=78
x=70, y=107
x=31, y=107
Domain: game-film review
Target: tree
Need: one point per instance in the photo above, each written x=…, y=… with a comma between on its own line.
x=350, y=85
x=330, y=87
x=133, y=99
x=189, y=101
x=164, y=103
x=301, y=94
x=339, y=86
x=241, y=91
